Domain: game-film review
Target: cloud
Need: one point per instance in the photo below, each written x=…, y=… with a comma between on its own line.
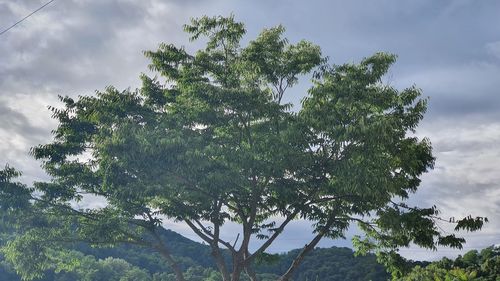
x=68, y=45
x=493, y=48
x=466, y=157
x=25, y=123
x=465, y=180
x=460, y=91
x=17, y=122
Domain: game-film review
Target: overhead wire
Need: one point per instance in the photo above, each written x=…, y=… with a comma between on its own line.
x=21, y=20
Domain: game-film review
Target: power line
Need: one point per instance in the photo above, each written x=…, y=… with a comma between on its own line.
x=21, y=20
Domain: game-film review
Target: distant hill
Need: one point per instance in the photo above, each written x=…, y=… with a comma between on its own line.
x=325, y=264
x=330, y=264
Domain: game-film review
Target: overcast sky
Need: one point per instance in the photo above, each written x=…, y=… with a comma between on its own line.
x=450, y=49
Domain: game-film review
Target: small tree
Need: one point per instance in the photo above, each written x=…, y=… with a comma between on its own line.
x=212, y=141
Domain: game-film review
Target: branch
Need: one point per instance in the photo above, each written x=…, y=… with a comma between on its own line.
x=307, y=248
x=236, y=241
x=271, y=239
x=165, y=252
x=416, y=209
x=198, y=232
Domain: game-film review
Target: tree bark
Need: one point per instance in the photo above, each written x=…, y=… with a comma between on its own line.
x=247, y=266
x=237, y=266
x=221, y=264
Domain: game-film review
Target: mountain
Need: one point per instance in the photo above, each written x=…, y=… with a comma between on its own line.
x=330, y=264
x=325, y=264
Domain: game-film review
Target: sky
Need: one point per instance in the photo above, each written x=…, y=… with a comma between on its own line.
x=449, y=49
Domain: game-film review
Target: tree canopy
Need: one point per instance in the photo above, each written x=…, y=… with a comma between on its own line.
x=211, y=140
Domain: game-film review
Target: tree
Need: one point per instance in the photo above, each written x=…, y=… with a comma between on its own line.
x=212, y=141
x=483, y=266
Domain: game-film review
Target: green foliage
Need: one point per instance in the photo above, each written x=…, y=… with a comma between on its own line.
x=211, y=141
x=72, y=265
x=328, y=264
x=474, y=265
x=13, y=195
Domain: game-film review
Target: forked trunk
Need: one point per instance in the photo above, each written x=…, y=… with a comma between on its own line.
x=237, y=266
x=221, y=264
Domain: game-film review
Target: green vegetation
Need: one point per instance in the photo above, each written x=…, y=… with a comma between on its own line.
x=76, y=266
x=332, y=264
x=213, y=140
x=134, y=263
x=473, y=266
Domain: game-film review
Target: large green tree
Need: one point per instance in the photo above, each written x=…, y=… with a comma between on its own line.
x=212, y=140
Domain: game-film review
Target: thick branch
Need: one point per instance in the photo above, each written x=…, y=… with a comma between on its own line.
x=199, y=232
x=165, y=252
x=307, y=248
x=216, y=253
x=248, y=225
x=271, y=239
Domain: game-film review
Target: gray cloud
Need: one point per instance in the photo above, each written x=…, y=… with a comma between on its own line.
x=14, y=121
x=69, y=45
x=493, y=48
x=465, y=179
x=463, y=91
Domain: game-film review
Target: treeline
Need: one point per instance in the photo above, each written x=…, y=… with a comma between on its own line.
x=130, y=263
x=475, y=265
x=329, y=264
x=324, y=264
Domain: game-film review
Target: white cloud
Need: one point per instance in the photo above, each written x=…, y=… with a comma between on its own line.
x=465, y=181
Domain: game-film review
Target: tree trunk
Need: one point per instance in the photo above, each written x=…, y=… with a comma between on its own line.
x=249, y=268
x=221, y=264
x=237, y=266
x=235, y=276
x=165, y=252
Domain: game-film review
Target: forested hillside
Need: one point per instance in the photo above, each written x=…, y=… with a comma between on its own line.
x=124, y=263
x=330, y=264
x=133, y=263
